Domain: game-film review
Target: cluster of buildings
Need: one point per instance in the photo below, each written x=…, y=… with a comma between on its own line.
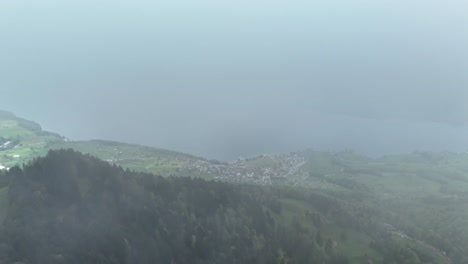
x=5, y=145
x=249, y=170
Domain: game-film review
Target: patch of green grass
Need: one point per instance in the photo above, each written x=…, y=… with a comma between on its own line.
x=11, y=129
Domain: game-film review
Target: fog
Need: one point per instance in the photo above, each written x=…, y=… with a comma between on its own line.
x=223, y=79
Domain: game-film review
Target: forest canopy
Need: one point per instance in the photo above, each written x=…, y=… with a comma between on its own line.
x=69, y=207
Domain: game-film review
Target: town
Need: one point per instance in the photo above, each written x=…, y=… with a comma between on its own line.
x=259, y=170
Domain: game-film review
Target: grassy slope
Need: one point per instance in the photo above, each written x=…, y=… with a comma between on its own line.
x=32, y=143
x=27, y=140
x=133, y=157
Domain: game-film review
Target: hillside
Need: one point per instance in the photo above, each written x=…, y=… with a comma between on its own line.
x=416, y=200
x=73, y=208
x=22, y=140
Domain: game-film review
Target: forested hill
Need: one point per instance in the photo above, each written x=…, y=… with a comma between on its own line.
x=393, y=208
x=73, y=208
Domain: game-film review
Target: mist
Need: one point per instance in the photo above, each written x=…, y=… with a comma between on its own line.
x=223, y=79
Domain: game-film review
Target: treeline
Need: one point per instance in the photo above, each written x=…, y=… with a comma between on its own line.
x=73, y=208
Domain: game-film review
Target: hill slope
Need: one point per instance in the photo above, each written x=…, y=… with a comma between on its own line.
x=419, y=198
x=73, y=208
x=22, y=140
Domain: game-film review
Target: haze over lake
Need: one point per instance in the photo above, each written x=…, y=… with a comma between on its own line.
x=223, y=79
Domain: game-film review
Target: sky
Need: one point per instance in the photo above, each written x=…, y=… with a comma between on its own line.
x=223, y=79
